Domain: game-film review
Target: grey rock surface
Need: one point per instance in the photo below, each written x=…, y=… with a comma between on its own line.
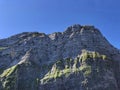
x=34, y=54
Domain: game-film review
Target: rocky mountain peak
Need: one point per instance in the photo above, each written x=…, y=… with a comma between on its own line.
x=75, y=59
x=73, y=28
x=78, y=28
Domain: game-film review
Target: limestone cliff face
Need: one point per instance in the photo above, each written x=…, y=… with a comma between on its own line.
x=80, y=58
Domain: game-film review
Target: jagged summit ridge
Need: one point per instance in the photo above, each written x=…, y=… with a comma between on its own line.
x=62, y=44
x=70, y=29
x=77, y=28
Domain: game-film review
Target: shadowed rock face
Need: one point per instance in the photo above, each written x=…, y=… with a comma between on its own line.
x=79, y=58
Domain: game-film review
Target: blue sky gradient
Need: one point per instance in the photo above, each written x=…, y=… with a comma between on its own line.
x=50, y=16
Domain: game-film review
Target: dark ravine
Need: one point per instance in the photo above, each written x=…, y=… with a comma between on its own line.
x=80, y=58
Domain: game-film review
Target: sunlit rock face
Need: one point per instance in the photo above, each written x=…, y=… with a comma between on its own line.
x=80, y=58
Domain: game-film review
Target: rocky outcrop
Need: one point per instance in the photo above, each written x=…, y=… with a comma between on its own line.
x=90, y=71
x=80, y=58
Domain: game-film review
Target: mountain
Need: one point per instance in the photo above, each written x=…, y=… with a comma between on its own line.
x=80, y=58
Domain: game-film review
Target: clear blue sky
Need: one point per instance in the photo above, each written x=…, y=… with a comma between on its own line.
x=50, y=16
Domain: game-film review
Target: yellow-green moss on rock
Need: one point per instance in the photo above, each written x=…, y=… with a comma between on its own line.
x=8, y=71
x=64, y=68
x=91, y=54
x=8, y=78
x=2, y=48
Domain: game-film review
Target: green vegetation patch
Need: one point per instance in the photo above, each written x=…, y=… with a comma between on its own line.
x=8, y=71
x=35, y=34
x=94, y=55
x=64, y=68
x=9, y=78
x=2, y=48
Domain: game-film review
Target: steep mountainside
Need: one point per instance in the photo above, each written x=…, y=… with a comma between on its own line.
x=79, y=58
